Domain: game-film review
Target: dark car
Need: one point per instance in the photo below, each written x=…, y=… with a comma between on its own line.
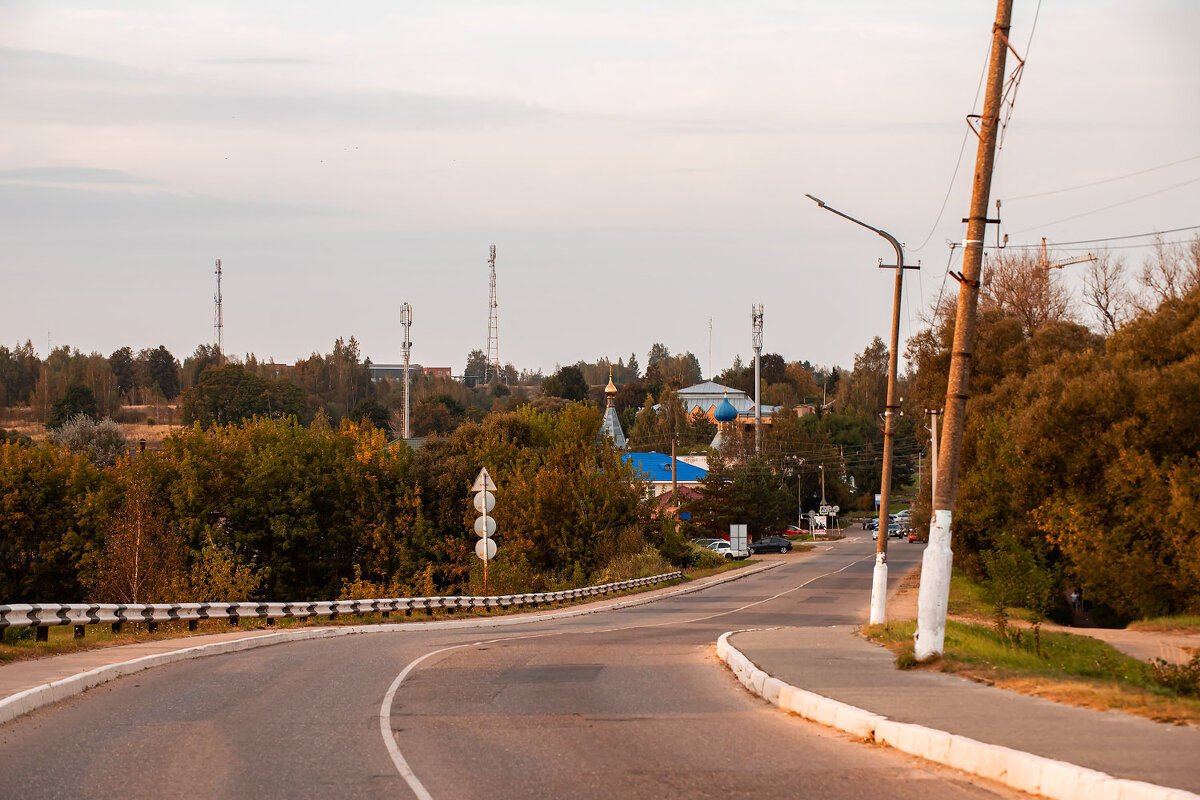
x=771, y=544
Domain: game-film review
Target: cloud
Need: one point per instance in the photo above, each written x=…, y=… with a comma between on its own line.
x=93, y=175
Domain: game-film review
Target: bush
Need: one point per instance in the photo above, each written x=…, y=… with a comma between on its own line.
x=1182, y=679
x=102, y=442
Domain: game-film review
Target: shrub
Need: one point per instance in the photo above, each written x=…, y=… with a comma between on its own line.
x=102, y=442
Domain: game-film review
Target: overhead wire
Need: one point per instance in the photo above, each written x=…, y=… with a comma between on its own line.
x=1102, y=182
x=1112, y=206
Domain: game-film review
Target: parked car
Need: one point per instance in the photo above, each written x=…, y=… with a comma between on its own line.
x=872, y=524
x=770, y=544
x=912, y=536
x=793, y=530
x=896, y=530
x=705, y=542
x=722, y=548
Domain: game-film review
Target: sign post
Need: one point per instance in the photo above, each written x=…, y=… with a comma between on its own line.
x=485, y=526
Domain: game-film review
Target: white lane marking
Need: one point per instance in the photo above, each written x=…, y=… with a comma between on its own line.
x=385, y=708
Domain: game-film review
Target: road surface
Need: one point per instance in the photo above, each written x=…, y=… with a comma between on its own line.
x=620, y=704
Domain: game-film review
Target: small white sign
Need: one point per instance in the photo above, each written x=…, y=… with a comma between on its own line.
x=483, y=482
x=481, y=530
x=485, y=549
x=484, y=502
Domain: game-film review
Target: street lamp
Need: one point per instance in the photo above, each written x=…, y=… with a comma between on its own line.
x=879, y=577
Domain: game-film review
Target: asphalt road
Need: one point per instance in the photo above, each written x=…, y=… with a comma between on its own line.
x=621, y=704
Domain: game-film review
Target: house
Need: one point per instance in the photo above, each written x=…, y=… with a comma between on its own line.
x=655, y=468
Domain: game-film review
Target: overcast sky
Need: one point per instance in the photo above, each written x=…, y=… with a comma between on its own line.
x=640, y=167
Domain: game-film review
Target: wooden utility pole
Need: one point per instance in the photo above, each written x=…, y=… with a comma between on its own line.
x=935, y=570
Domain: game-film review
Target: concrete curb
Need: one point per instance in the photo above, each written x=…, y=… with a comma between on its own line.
x=16, y=705
x=1024, y=771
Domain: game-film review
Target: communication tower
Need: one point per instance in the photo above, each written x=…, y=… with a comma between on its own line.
x=492, y=371
x=406, y=322
x=218, y=320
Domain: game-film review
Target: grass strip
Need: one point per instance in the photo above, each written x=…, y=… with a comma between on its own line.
x=1077, y=670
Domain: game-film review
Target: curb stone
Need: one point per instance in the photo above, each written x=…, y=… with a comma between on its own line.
x=1027, y=772
x=23, y=702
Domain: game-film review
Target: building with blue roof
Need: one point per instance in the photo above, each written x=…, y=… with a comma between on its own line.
x=655, y=468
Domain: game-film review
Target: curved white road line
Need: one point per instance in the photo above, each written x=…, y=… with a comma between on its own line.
x=385, y=708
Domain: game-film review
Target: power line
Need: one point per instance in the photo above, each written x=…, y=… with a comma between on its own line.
x=1106, y=180
x=1105, y=239
x=1106, y=208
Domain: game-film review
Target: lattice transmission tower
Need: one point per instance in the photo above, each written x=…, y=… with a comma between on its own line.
x=492, y=371
x=218, y=320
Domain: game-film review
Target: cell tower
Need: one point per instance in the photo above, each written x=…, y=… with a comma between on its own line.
x=756, y=321
x=218, y=320
x=406, y=321
x=492, y=371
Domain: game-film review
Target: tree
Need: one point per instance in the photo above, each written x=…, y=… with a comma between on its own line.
x=78, y=400
x=161, y=370
x=122, y=364
x=1018, y=284
x=1106, y=291
x=205, y=356
x=19, y=369
x=567, y=383
x=142, y=560
x=231, y=394
x=633, y=367
x=369, y=411
x=476, y=368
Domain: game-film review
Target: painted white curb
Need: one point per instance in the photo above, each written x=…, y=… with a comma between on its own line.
x=46, y=694
x=1029, y=773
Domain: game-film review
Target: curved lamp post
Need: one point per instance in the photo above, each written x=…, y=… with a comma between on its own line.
x=879, y=577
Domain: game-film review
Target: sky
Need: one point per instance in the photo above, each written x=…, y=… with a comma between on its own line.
x=640, y=167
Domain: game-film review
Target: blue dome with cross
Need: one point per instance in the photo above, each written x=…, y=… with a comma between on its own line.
x=725, y=412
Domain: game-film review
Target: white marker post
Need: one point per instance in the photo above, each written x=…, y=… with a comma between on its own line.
x=485, y=526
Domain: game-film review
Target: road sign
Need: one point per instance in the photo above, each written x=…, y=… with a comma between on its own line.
x=483, y=482
x=826, y=510
x=485, y=527
x=485, y=549
x=484, y=502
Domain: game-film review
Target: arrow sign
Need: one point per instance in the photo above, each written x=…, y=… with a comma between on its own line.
x=485, y=527
x=483, y=482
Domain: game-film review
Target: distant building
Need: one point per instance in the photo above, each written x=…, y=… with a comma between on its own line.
x=703, y=398
x=655, y=468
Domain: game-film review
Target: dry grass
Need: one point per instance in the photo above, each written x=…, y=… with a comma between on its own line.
x=23, y=424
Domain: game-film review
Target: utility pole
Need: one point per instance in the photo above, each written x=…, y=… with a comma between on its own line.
x=218, y=319
x=756, y=322
x=406, y=323
x=891, y=410
x=674, y=476
x=936, y=562
x=933, y=448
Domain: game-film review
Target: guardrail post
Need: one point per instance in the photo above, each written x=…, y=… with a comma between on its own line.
x=152, y=627
x=79, y=631
x=270, y=622
x=116, y=627
x=193, y=624
x=43, y=633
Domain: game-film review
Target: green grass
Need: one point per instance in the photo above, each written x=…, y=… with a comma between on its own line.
x=1075, y=669
x=1185, y=623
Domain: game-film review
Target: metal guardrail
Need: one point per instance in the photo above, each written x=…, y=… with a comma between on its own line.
x=46, y=615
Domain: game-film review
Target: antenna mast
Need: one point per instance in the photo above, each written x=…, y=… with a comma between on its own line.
x=492, y=370
x=218, y=320
x=756, y=321
x=406, y=322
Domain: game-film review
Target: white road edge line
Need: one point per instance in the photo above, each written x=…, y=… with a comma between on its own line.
x=1058, y=780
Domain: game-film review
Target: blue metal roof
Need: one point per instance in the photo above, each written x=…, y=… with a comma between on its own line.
x=657, y=467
